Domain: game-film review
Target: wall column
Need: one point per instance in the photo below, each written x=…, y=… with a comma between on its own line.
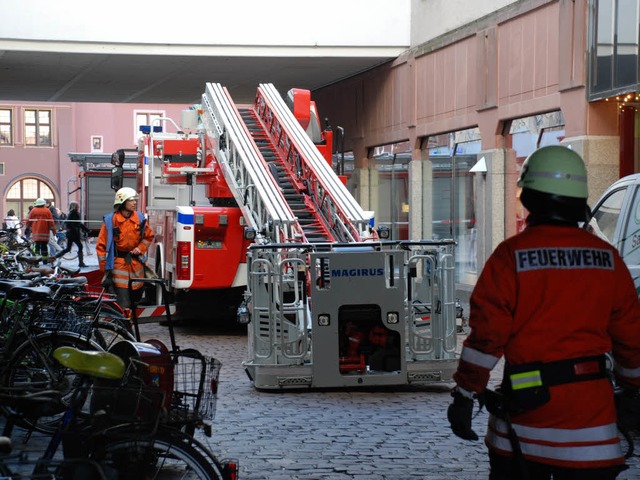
x=601, y=156
x=490, y=191
x=417, y=194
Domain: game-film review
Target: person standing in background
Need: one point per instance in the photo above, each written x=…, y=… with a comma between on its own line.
x=54, y=246
x=41, y=224
x=12, y=221
x=74, y=226
x=27, y=228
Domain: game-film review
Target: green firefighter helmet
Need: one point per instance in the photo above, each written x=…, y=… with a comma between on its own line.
x=555, y=170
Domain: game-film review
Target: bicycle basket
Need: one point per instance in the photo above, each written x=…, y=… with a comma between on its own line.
x=64, y=320
x=195, y=389
x=188, y=379
x=131, y=399
x=141, y=395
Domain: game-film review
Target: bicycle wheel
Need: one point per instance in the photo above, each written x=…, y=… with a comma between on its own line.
x=88, y=305
x=32, y=369
x=167, y=455
x=106, y=333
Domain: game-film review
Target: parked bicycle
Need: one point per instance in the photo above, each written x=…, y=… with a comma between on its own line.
x=124, y=435
x=37, y=319
x=133, y=410
x=21, y=464
x=11, y=239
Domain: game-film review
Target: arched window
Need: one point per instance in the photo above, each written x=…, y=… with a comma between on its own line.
x=22, y=194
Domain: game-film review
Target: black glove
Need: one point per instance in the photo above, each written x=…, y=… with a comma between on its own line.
x=107, y=279
x=459, y=415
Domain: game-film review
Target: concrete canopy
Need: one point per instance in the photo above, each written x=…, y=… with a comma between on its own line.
x=164, y=52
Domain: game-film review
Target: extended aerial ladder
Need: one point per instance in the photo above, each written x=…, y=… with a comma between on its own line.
x=329, y=304
x=260, y=199
x=286, y=189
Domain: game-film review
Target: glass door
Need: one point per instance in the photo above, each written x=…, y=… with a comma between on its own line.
x=449, y=201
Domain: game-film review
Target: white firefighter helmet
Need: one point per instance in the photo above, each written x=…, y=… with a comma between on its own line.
x=124, y=194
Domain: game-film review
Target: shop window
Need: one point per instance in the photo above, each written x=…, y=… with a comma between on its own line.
x=613, y=56
x=392, y=165
x=37, y=128
x=525, y=135
x=449, y=202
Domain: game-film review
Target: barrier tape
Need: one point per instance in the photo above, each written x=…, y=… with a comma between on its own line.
x=156, y=311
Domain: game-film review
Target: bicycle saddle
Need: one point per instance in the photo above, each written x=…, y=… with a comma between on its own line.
x=30, y=259
x=92, y=363
x=43, y=270
x=6, y=285
x=68, y=271
x=35, y=293
x=5, y=445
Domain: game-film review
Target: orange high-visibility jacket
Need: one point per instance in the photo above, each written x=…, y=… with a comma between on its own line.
x=41, y=222
x=547, y=294
x=128, y=239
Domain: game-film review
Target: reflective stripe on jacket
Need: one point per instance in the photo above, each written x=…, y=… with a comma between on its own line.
x=593, y=445
x=553, y=293
x=128, y=239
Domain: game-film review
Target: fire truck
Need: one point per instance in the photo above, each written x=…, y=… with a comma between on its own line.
x=199, y=247
x=244, y=197
x=93, y=182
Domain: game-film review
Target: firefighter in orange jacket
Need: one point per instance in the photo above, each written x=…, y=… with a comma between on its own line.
x=553, y=300
x=122, y=246
x=41, y=224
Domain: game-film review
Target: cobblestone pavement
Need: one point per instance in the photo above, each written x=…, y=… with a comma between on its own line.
x=390, y=433
x=399, y=433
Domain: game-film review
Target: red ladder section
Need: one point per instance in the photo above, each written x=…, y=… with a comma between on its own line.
x=315, y=183
x=314, y=228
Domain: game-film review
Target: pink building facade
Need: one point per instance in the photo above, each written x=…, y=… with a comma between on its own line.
x=36, y=139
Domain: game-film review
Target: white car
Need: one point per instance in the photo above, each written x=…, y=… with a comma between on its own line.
x=616, y=218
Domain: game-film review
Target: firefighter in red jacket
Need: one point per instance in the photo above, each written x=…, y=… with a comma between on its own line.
x=553, y=300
